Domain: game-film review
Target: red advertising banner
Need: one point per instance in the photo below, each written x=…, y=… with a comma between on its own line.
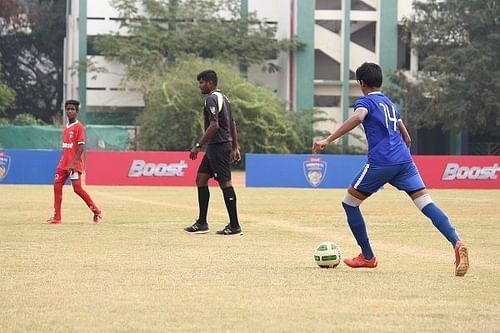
x=141, y=168
x=176, y=169
x=467, y=172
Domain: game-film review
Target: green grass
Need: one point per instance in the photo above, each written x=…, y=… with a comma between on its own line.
x=139, y=272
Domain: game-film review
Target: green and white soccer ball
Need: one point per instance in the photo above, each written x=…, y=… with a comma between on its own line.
x=327, y=255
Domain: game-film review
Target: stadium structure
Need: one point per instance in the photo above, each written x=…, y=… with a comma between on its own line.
x=339, y=35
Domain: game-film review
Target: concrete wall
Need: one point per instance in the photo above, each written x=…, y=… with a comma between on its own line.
x=106, y=90
x=276, y=11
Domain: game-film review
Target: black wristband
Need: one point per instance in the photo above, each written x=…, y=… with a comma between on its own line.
x=197, y=145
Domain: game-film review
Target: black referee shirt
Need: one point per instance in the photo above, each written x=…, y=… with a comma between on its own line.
x=217, y=108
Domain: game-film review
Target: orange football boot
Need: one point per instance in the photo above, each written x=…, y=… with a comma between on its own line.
x=361, y=262
x=461, y=258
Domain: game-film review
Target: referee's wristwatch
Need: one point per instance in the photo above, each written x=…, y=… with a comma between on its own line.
x=197, y=145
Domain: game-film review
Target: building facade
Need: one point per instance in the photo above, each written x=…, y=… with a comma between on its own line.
x=338, y=36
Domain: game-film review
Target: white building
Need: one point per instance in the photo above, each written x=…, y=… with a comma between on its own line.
x=312, y=77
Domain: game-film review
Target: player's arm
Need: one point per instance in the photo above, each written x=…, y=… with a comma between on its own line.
x=211, y=129
x=234, y=137
x=80, y=141
x=213, y=107
x=79, y=152
x=351, y=123
x=404, y=133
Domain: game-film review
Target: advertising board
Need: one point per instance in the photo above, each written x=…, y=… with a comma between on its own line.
x=337, y=171
x=155, y=168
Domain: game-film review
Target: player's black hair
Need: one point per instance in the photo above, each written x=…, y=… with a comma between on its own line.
x=370, y=74
x=208, y=75
x=72, y=102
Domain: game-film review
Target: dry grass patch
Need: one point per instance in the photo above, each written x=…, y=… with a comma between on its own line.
x=139, y=272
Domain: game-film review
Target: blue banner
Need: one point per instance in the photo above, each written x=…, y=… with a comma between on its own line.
x=28, y=166
x=310, y=171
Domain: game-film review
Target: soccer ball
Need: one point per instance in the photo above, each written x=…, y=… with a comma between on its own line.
x=327, y=255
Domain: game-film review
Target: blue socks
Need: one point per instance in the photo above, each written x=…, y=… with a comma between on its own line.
x=441, y=222
x=433, y=212
x=358, y=229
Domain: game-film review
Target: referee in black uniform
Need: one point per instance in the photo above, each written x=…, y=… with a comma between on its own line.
x=221, y=142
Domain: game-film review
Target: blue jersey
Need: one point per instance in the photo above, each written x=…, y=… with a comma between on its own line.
x=385, y=143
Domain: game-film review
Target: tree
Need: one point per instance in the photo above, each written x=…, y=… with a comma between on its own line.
x=161, y=46
x=172, y=118
x=414, y=102
x=7, y=96
x=459, y=42
x=31, y=54
x=151, y=39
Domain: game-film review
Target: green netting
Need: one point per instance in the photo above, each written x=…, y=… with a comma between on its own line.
x=30, y=137
x=105, y=137
x=100, y=137
x=110, y=118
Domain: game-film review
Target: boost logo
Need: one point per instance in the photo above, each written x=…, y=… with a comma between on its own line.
x=455, y=171
x=140, y=168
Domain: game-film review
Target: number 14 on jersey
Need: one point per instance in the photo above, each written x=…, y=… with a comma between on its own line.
x=389, y=117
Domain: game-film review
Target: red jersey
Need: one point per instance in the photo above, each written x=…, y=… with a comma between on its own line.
x=73, y=136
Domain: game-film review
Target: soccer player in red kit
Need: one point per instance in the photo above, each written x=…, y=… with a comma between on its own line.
x=71, y=164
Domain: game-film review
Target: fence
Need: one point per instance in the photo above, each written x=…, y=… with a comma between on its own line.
x=99, y=137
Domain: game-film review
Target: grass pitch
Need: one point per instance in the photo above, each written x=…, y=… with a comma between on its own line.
x=139, y=272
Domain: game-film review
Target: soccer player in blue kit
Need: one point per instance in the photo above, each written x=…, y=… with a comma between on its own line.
x=389, y=161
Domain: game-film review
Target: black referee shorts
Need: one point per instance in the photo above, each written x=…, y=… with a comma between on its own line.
x=217, y=161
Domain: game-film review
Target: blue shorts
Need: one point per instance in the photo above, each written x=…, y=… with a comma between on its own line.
x=404, y=177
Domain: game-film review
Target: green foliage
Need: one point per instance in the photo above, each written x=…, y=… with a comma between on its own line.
x=304, y=122
x=31, y=55
x=26, y=119
x=173, y=120
x=410, y=96
x=169, y=30
x=337, y=147
x=161, y=48
x=459, y=41
x=7, y=97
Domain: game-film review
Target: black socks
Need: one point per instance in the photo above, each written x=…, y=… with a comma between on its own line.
x=203, y=199
x=230, y=200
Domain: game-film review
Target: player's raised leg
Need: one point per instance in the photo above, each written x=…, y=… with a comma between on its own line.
x=77, y=187
x=424, y=202
x=409, y=180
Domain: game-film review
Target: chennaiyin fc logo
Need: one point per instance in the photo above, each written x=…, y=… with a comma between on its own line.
x=314, y=170
x=4, y=165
